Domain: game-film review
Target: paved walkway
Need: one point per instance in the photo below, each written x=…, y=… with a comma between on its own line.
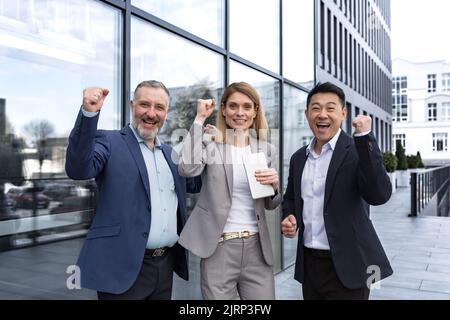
x=418, y=248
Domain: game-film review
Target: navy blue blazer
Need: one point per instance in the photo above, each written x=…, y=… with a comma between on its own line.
x=356, y=178
x=112, y=254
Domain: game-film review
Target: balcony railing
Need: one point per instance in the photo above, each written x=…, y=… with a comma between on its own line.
x=427, y=184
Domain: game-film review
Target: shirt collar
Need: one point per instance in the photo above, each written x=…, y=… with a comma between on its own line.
x=331, y=143
x=140, y=140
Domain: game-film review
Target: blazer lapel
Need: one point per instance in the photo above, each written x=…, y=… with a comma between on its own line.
x=297, y=173
x=339, y=154
x=225, y=153
x=135, y=151
x=167, y=152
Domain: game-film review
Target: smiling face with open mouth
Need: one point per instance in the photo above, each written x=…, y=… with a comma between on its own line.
x=325, y=114
x=150, y=107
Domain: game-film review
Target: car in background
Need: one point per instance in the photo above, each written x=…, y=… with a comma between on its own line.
x=28, y=196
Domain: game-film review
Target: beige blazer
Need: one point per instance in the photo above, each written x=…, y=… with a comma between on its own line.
x=212, y=161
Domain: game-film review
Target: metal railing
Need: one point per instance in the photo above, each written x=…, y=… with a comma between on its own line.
x=425, y=185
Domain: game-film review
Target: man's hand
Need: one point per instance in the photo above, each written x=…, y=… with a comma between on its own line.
x=289, y=226
x=204, y=109
x=93, y=98
x=362, y=124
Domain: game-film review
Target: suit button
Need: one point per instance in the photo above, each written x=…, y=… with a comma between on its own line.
x=149, y=208
x=257, y=216
x=145, y=234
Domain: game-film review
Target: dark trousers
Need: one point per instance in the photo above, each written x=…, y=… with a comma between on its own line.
x=154, y=281
x=321, y=281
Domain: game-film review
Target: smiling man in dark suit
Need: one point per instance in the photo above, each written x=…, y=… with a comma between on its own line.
x=131, y=249
x=331, y=184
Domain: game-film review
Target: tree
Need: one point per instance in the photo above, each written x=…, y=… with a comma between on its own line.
x=182, y=113
x=38, y=131
x=402, y=163
x=419, y=159
x=390, y=161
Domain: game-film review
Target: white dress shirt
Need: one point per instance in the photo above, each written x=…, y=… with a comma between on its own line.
x=313, y=193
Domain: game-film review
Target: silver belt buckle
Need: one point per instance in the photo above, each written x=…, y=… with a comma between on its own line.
x=158, y=252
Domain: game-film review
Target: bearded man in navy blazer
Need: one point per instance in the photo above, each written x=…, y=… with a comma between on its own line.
x=131, y=249
x=331, y=184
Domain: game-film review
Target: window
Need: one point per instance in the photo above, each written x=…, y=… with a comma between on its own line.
x=301, y=118
x=440, y=142
x=446, y=82
x=298, y=63
x=444, y=112
x=431, y=83
x=191, y=15
x=295, y=135
x=398, y=138
x=54, y=49
x=432, y=112
x=256, y=37
x=400, y=99
x=201, y=79
x=306, y=140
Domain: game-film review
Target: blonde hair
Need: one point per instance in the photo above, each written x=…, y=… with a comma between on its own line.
x=259, y=126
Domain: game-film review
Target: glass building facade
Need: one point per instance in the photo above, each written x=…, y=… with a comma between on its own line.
x=50, y=50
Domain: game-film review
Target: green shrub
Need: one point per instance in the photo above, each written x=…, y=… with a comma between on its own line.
x=390, y=161
x=402, y=163
x=413, y=162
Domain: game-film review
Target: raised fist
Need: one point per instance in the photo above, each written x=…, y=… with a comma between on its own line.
x=362, y=124
x=93, y=98
x=205, y=108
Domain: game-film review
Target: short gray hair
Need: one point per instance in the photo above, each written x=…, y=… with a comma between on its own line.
x=151, y=84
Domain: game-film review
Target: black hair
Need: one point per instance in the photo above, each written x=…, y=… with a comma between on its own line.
x=326, y=87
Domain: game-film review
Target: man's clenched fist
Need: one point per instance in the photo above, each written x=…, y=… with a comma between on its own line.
x=93, y=98
x=362, y=124
x=289, y=226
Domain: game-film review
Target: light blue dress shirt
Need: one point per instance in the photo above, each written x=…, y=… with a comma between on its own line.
x=164, y=201
x=163, y=228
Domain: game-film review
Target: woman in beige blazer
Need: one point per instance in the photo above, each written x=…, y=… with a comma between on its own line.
x=228, y=228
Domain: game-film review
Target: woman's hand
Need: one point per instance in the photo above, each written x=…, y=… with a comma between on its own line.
x=204, y=109
x=268, y=176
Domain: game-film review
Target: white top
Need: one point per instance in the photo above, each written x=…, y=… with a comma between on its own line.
x=313, y=193
x=242, y=212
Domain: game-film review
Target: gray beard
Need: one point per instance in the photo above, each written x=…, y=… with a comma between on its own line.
x=147, y=135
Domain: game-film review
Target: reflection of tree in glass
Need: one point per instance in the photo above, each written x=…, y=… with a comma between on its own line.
x=184, y=107
x=38, y=131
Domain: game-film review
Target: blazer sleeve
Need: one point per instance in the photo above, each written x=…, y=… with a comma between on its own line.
x=193, y=153
x=88, y=150
x=373, y=182
x=194, y=185
x=288, y=204
x=272, y=202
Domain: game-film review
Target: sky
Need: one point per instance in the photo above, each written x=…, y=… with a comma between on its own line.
x=420, y=30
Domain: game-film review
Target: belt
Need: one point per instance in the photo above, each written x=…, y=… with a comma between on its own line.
x=158, y=252
x=318, y=253
x=236, y=235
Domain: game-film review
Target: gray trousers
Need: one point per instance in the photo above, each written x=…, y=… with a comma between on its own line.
x=237, y=267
